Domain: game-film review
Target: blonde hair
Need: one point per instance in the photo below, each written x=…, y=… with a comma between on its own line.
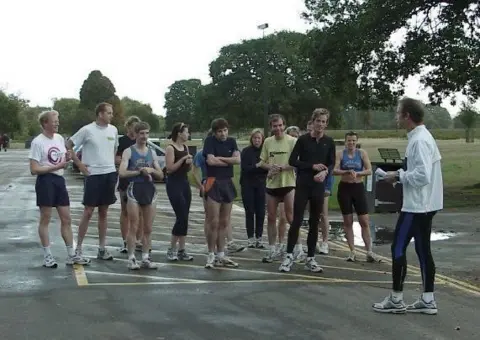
x=44, y=116
x=320, y=112
x=254, y=132
x=293, y=128
x=131, y=121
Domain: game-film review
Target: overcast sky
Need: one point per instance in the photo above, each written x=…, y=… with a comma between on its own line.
x=50, y=46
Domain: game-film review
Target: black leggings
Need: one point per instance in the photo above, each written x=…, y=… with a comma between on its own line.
x=313, y=192
x=419, y=226
x=253, y=198
x=180, y=196
x=350, y=196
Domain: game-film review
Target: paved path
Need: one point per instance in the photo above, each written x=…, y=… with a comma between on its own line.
x=186, y=301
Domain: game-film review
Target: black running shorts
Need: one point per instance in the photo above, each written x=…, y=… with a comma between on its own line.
x=220, y=190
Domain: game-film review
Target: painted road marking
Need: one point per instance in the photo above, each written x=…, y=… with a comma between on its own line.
x=166, y=216
x=458, y=284
x=298, y=278
x=257, y=260
x=80, y=275
x=154, y=283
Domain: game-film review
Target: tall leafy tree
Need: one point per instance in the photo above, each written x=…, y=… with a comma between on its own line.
x=180, y=102
x=275, y=64
x=353, y=41
x=10, y=107
x=98, y=88
x=68, y=109
x=143, y=111
x=469, y=117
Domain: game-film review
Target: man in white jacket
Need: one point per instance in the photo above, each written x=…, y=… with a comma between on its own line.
x=422, y=183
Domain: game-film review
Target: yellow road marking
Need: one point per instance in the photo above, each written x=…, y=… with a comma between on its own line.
x=252, y=271
x=152, y=277
x=238, y=282
x=80, y=275
x=258, y=261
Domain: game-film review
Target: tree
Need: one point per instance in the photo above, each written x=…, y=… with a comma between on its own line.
x=143, y=111
x=10, y=107
x=468, y=116
x=68, y=109
x=241, y=71
x=96, y=89
x=442, y=41
x=29, y=120
x=181, y=101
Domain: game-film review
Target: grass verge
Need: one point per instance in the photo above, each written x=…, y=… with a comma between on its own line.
x=460, y=165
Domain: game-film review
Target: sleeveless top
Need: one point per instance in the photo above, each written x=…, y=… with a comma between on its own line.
x=139, y=160
x=355, y=163
x=182, y=171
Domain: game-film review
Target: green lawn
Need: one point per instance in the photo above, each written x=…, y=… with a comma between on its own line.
x=461, y=166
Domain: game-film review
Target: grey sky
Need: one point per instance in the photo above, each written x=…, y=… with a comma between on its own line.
x=143, y=46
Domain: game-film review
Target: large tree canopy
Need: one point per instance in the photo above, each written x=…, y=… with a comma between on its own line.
x=441, y=42
x=241, y=69
x=96, y=89
x=10, y=107
x=180, y=101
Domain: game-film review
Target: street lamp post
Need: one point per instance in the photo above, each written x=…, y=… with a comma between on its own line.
x=266, y=128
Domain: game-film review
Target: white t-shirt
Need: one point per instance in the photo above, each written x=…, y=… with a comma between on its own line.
x=99, y=145
x=48, y=152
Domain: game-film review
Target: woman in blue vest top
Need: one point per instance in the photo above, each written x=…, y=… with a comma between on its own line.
x=352, y=165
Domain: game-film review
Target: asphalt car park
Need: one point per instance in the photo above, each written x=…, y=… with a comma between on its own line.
x=185, y=300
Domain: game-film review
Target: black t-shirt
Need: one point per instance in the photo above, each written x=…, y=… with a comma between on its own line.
x=124, y=143
x=218, y=148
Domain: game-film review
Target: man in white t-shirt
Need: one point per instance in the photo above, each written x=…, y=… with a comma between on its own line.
x=48, y=158
x=99, y=141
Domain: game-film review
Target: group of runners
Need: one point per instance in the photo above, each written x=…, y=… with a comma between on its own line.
x=282, y=176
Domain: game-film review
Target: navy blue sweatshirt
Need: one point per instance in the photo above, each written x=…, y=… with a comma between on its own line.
x=250, y=174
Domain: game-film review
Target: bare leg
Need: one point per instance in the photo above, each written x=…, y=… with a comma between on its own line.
x=83, y=225
x=102, y=226
x=148, y=214
x=205, y=223
x=224, y=223
x=213, y=209
x=66, y=227
x=132, y=209
x=348, y=228
x=365, y=224
x=45, y=217
x=282, y=223
x=123, y=218
x=272, y=204
x=139, y=235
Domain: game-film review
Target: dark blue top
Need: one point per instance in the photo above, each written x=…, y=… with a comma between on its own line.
x=355, y=163
x=199, y=162
x=137, y=161
x=250, y=174
x=218, y=148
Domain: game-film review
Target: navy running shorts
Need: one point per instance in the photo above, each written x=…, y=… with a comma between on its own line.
x=99, y=190
x=220, y=190
x=51, y=191
x=142, y=193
